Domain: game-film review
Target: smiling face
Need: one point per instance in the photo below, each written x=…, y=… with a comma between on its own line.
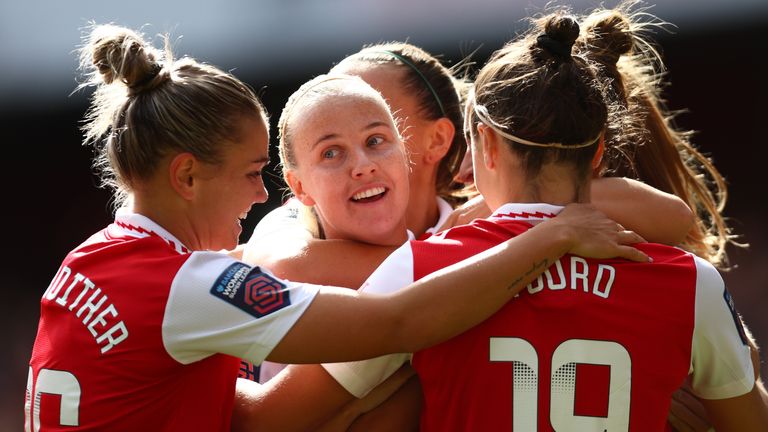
x=350, y=164
x=227, y=191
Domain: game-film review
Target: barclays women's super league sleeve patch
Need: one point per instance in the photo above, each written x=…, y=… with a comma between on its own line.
x=251, y=290
x=736, y=319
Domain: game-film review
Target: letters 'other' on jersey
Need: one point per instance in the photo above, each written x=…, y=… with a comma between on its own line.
x=137, y=333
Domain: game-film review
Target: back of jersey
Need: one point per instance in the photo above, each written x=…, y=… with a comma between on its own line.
x=591, y=345
x=99, y=361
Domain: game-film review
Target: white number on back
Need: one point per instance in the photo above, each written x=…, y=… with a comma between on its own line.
x=56, y=382
x=525, y=386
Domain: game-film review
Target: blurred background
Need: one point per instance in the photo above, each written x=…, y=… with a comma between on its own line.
x=716, y=55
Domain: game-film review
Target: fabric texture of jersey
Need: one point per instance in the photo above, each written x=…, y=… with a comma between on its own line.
x=137, y=333
x=287, y=218
x=589, y=345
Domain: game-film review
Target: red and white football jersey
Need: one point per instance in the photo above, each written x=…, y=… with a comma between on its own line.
x=286, y=219
x=137, y=333
x=589, y=345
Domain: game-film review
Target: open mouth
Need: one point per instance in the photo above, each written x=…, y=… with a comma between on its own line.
x=369, y=195
x=242, y=216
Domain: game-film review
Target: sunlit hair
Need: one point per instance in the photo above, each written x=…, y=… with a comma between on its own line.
x=642, y=141
x=439, y=92
x=148, y=105
x=534, y=89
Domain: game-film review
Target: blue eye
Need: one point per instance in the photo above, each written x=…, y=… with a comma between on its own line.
x=330, y=153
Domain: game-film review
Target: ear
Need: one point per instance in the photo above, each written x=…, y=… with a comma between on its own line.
x=297, y=187
x=489, y=141
x=182, y=174
x=440, y=142
x=598, y=157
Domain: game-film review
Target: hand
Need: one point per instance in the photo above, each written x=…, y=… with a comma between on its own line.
x=593, y=235
x=473, y=209
x=686, y=413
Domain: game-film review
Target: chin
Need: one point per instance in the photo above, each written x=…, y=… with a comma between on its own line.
x=386, y=236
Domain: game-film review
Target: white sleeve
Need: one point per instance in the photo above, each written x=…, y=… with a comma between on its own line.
x=220, y=305
x=360, y=377
x=280, y=220
x=720, y=357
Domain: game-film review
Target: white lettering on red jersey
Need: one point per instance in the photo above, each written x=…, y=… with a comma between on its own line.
x=137, y=333
x=589, y=345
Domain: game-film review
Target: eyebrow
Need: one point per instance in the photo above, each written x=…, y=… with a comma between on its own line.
x=263, y=160
x=329, y=136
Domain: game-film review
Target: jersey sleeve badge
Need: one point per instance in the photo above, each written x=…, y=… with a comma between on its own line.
x=736, y=319
x=251, y=290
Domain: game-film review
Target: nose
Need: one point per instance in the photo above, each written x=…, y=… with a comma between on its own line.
x=262, y=194
x=362, y=165
x=466, y=174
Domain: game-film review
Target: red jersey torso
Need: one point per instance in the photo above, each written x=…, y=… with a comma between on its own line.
x=589, y=345
x=138, y=333
x=100, y=331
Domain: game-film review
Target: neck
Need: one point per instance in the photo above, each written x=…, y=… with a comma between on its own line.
x=165, y=211
x=422, y=212
x=555, y=184
x=395, y=237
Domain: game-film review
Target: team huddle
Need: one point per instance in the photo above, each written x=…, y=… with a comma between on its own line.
x=476, y=255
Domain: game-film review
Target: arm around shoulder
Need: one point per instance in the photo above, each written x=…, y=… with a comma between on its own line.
x=342, y=325
x=658, y=216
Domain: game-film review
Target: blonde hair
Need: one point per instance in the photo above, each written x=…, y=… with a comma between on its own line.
x=642, y=140
x=148, y=105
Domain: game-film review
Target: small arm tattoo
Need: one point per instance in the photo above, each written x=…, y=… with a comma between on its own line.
x=536, y=268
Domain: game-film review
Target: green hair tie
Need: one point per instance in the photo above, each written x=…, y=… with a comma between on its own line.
x=423, y=78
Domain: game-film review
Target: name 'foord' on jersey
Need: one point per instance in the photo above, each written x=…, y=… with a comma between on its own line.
x=598, y=281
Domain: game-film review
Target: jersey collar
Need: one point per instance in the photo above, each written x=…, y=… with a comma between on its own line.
x=532, y=213
x=129, y=224
x=444, y=209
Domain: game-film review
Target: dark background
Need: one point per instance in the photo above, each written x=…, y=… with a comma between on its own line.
x=717, y=71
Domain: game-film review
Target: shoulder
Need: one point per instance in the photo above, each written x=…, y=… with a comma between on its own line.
x=394, y=273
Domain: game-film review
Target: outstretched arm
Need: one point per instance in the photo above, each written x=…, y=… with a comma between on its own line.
x=398, y=322
x=657, y=216
x=343, y=325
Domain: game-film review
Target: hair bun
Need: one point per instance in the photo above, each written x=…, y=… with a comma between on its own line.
x=560, y=33
x=608, y=35
x=120, y=54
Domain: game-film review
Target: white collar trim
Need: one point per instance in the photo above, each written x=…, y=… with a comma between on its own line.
x=135, y=225
x=444, y=210
x=533, y=213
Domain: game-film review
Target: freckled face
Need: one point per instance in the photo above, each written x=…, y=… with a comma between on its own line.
x=351, y=165
x=389, y=80
x=229, y=190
